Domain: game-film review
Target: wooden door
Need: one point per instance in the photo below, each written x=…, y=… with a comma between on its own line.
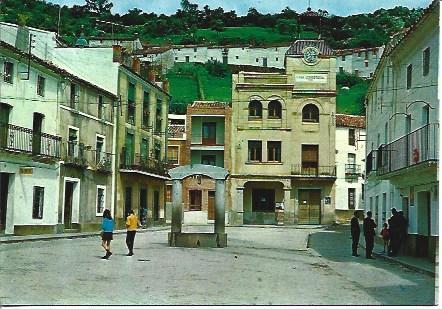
x=211, y=206
x=4, y=121
x=156, y=205
x=309, y=210
x=36, y=133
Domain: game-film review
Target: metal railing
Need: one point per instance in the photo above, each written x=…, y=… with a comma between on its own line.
x=371, y=162
x=352, y=169
x=135, y=161
x=319, y=171
x=103, y=161
x=421, y=145
x=75, y=154
x=19, y=139
x=198, y=139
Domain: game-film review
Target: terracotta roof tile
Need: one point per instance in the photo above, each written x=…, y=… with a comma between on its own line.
x=350, y=121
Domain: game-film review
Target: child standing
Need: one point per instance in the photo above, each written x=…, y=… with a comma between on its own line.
x=385, y=233
x=107, y=232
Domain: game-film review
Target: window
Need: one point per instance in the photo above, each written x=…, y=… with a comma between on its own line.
x=409, y=75
x=255, y=109
x=195, y=49
x=255, y=151
x=237, y=57
x=357, y=72
x=144, y=149
x=99, y=149
x=275, y=109
x=257, y=59
x=146, y=112
x=425, y=115
x=351, y=198
x=310, y=158
x=366, y=64
x=209, y=133
x=37, y=206
x=310, y=113
x=343, y=57
x=359, y=54
x=72, y=142
x=101, y=196
x=176, y=58
x=100, y=107
x=341, y=70
x=351, y=137
x=277, y=59
x=172, y=154
x=73, y=98
x=374, y=52
x=362, y=192
x=157, y=150
x=426, y=62
x=158, y=119
x=8, y=71
x=386, y=133
x=41, y=85
x=131, y=104
x=127, y=200
x=195, y=200
x=208, y=160
x=366, y=55
x=274, y=151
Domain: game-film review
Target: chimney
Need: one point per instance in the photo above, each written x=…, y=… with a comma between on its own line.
x=151, y=75
x=116, y=56
x=136, y=65
x=166, y=85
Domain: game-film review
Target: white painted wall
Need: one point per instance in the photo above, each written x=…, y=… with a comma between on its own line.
x=343, y=184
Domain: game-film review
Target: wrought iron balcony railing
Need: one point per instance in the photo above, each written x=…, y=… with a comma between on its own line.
x=421, y=145
x=75, y=154
x=131, y=161
x=314, y=172
x=19, y=139
x=103, y=161
x=352, y=170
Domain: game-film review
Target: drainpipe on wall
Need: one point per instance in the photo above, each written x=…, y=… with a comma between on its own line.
x=114, y=157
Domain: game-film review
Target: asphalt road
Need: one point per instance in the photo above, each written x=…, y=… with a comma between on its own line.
x=260, y=266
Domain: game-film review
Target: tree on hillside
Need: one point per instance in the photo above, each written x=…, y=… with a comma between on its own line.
x=99, y=6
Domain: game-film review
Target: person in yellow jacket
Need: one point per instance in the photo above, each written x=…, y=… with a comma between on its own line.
x=131, y=226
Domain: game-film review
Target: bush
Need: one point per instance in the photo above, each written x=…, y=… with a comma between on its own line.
x=348, y=80
x=217, y=68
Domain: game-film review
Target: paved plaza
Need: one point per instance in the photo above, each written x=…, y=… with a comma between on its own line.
x=261, y=265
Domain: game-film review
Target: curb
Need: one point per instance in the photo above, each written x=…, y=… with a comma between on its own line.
x=71, y=236
x=405, y=264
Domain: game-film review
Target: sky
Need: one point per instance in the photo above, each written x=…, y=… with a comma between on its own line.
x=335, y=7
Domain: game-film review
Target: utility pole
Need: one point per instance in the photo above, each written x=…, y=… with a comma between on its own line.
x=59, y=18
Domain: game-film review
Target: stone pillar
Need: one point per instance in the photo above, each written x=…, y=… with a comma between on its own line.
x=289, y=207
x=177, y=205
x=219, y=206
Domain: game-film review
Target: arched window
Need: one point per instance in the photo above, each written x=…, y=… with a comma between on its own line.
x=275, y=110
x=255, y=109
x=310, y=113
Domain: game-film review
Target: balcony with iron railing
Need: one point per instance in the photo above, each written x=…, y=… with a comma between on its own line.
x=81, y=156
x=415, y=148
x=352, y=170
x=324, y=171
x=202, y=140
x=143, y=163
x=23, y=140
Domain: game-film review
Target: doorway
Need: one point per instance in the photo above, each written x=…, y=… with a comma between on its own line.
x=156, y=205
x=309, y=210
x=36, y=133
x=211, y=205
x=127, y=201
x=143, y=206
x=68, y=202
x=4, y=188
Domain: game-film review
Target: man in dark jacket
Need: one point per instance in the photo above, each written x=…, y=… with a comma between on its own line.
x=355, y=232
x=395, y=231
x=369, y=232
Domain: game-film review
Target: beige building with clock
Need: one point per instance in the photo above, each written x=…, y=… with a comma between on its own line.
x=283, y=140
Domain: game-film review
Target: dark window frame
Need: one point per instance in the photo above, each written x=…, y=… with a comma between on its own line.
x=8, y=72
x=41, y=82
x=352, y=137
x=255, y=109
x=409, y=76
x=310, y=113
x=351, y=198
x=274, y=151
x=275, y=109
x=38, y=202
x=194, y=195
x=426, y=61
x=255, y=151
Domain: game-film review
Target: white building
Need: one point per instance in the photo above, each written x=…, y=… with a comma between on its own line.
x=350, y=165
x=131, y=44
x=359, y=61
x=403, y=133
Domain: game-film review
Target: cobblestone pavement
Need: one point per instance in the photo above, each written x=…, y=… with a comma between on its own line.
x=268, y=265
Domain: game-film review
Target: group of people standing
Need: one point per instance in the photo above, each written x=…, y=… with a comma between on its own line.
x=108, y=226
x=392, y=233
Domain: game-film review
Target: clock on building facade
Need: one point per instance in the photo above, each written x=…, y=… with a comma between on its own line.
x=311, y=55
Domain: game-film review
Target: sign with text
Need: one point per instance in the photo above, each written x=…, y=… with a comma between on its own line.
x=311, y=78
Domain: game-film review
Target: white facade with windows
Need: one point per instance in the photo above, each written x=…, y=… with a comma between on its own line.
x=350, y=165
x=403, y=133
